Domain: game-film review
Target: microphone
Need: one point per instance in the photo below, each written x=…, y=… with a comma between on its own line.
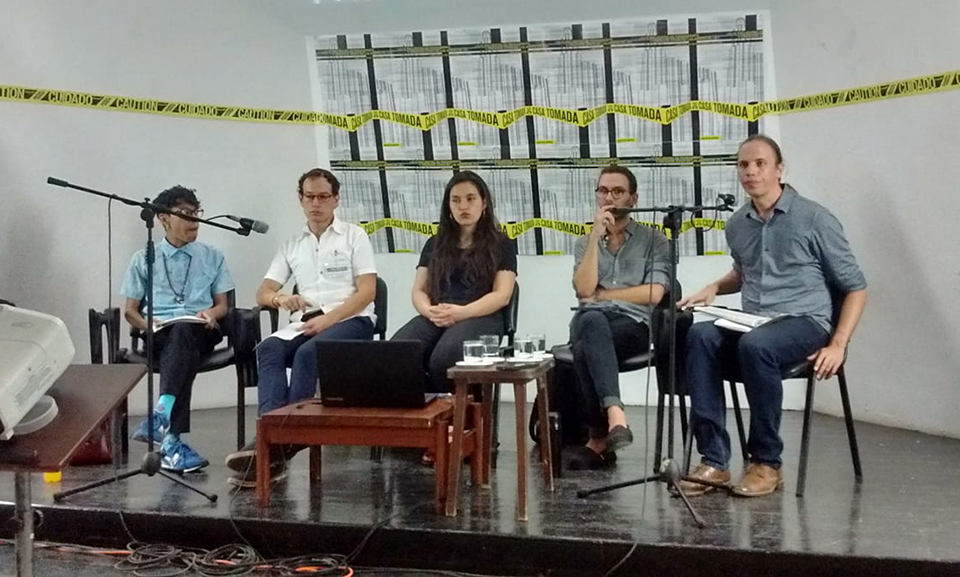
x=727, y=199
x=57, y=181
x=254, y=225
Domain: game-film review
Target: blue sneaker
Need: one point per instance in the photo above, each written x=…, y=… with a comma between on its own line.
x=178, y=457
x=160, y=427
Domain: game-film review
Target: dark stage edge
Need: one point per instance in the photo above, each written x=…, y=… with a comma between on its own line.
x=903, y=519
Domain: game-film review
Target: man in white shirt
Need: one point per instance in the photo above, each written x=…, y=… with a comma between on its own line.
x=331, y=265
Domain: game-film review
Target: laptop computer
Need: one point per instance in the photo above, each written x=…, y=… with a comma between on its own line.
x=372, y=374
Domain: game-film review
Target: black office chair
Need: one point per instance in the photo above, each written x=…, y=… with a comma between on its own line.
x=799, y=370
x=656, y=357
x=235, y=327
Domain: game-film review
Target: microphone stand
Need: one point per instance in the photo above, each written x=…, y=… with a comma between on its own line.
x=670, y=471
x=150, y=465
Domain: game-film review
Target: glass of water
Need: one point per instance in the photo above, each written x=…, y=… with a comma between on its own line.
x=491, y=345
x=523, y=349
x=539, y=344
x=473, y=351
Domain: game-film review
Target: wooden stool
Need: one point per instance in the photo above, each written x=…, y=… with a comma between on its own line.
x=487, y=376
x=312, y=424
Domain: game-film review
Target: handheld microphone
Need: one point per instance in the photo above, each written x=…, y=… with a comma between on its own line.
x=254, y=225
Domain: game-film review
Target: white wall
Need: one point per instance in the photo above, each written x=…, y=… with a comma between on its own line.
x=53, y=250
x=886, y=169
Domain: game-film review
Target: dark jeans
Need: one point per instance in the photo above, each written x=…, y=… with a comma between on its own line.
x=178, y=350
x=274, y=355
x=760, y=353
x=599, y=339
x=443, y=347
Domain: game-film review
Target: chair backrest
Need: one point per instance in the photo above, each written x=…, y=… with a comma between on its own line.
x=100, y=324
x=510, y=314
x=660, y=313
x=380, y=308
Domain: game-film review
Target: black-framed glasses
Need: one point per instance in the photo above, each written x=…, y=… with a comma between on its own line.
x=617, y=193
x=323, y=198
x=198, y=213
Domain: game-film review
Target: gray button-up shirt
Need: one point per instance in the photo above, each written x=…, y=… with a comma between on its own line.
x=641, y=260
x=790, y=263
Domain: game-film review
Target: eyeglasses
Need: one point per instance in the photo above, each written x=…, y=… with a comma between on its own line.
x=323, y=198
x=189, y=212
x=617, y=193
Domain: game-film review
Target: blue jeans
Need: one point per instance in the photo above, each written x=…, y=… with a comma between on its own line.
x=760, y=353
x=274, y=355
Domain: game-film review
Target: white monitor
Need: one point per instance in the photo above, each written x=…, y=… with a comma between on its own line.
x=35, y=349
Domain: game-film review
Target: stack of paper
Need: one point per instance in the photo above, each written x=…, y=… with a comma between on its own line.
x=733, y=319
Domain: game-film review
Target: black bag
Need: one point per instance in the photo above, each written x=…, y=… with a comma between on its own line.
x=565, y=401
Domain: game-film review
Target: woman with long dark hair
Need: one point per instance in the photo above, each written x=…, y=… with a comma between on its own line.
x=464, y=278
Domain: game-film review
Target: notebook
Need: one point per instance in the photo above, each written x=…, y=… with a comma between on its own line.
x=372, y=374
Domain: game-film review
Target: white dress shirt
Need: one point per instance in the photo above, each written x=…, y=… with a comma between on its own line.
x=325, y=269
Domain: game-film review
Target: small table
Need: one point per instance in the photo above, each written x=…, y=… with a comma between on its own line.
x=540, y=371
x=85, y=395
x=311, y=423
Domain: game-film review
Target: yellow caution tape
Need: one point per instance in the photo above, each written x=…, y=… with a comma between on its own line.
x=516, y=229
x=662, y=115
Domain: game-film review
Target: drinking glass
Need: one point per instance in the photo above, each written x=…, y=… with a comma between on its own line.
x=539, y=343
x=491, y=345
x=523, y=349
x=473, y=351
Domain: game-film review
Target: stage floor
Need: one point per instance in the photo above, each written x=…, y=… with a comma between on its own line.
x=904, y=518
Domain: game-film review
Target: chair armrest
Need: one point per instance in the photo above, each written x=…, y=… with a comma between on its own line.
x=274, y=319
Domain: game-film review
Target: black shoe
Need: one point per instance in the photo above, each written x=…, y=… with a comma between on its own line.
x=585, y=458
x=619, y=437
x=248, y=480
x=245, y=459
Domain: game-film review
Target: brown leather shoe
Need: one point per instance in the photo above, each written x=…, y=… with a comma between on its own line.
x=759, y=480
x=707, y=473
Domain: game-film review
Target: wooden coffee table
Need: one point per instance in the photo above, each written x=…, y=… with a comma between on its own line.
x=310, y=423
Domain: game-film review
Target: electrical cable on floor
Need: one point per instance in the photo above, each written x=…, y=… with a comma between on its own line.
x=159, y=559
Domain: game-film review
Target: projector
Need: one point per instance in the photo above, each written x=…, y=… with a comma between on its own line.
x=35, y=349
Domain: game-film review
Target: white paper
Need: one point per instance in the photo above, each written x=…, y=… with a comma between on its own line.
x=730, y=325
x=734, y=316
x=181, y=319
x=289, y=332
